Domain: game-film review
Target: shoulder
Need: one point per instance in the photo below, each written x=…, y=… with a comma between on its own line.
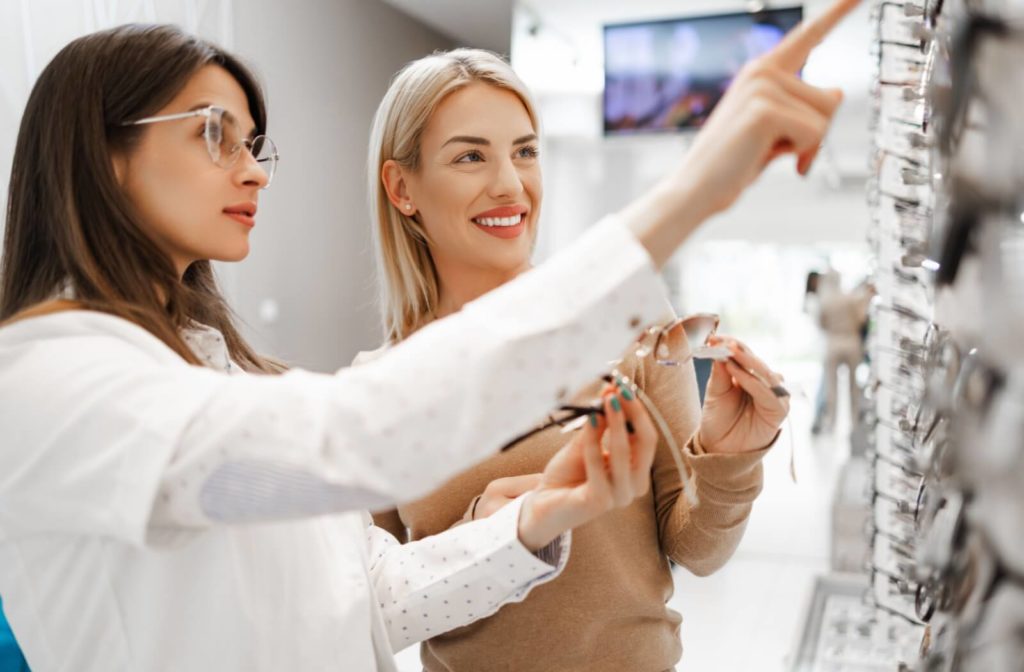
x=366, y=356
x=81, y=372
x=668, y=316
x=67, y=322
x=53, y=338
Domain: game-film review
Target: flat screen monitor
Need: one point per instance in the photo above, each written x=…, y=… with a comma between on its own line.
x=669, y=75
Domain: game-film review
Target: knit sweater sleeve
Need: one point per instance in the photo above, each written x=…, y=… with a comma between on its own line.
x=702, y=537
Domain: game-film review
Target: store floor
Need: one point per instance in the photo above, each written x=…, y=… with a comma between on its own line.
x=747, y=616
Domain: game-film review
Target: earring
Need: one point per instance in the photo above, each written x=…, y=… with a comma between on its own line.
x=408, y=206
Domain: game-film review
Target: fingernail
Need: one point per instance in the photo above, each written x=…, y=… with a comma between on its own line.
x=593, y=420
x=629, y=427
x=616, y=405
x=626, y=394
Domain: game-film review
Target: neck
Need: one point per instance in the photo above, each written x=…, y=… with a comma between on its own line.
x=181, y=266
x=460, y=284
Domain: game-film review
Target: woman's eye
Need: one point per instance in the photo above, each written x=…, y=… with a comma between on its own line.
x=527, y=152
x=470, y=157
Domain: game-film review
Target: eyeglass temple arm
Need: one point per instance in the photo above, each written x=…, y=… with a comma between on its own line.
x=522, y=437
x=167, y=117
x=578, y=412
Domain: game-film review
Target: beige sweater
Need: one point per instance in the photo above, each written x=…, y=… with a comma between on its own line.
x=607, y=611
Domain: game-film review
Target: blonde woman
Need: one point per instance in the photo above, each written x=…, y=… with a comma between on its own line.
x=455, y=171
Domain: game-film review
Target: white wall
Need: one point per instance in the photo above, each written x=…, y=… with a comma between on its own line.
x=486, y=24
x=326, y=64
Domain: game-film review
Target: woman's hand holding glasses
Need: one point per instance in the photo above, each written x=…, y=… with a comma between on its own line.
x=606, y=466
x=741, y=412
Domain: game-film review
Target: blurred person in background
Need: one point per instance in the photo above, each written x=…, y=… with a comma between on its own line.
x=842, y=316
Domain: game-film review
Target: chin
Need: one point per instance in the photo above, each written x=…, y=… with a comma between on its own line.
x=231, y=254
x=510, y=263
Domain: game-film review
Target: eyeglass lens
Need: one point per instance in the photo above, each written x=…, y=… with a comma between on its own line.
x=225, y=142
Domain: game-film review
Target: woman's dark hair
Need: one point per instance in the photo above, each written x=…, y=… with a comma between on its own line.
x=70, y=225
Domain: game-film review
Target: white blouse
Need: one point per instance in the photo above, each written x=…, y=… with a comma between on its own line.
x=161, y=516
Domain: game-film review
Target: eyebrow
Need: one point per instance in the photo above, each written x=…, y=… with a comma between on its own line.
x=473, y=140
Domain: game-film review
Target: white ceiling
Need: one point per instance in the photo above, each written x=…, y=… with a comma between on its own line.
x=471, y=23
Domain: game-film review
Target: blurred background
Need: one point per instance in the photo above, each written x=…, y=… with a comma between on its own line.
x=307, y=292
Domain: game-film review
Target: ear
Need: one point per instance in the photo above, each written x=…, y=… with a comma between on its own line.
x=394, y=177
x=120, y=164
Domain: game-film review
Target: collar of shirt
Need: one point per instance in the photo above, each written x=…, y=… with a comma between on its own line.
x=209, y=346
x=205, y=342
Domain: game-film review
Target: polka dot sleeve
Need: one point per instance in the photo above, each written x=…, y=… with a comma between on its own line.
x=427, y=587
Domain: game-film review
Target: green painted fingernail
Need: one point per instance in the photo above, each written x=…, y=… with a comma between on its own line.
x=616, y=406
x=593, y=420
x=626, y=394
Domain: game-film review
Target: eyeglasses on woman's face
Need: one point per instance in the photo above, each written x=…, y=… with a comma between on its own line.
x=224, y=139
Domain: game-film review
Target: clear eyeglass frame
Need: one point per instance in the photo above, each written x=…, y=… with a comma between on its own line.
x=224, y=139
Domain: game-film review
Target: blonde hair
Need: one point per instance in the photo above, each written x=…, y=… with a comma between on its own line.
x=409, y=288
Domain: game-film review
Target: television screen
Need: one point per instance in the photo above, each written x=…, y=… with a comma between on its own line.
x=669, y=75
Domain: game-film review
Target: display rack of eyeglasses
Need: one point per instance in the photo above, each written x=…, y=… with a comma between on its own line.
x=945, y=400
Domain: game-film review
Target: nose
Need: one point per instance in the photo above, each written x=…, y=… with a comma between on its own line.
x=507, y=183
x=249, y=172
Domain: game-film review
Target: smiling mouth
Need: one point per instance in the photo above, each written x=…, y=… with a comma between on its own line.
x=499, y=222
